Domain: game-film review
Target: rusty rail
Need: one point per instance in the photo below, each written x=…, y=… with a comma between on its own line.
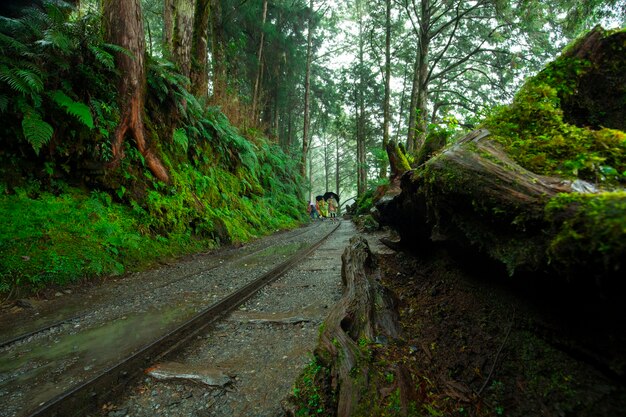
x=88, y=396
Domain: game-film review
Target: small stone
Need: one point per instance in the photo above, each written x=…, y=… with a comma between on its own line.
x=58, y=294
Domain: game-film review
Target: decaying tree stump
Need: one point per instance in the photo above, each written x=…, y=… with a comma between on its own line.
x=365, y=314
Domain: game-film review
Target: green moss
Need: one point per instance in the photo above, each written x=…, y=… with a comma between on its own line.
x=589, y=229
x=533, y=131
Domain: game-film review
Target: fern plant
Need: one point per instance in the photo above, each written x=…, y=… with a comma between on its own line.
x=51, y=68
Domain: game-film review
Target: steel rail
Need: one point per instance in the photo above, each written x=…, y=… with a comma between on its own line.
x=88, y=395
x=58, y=323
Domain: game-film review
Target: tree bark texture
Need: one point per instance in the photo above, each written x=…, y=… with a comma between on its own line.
x=218, y=47
x=360, y=110
x=178, y=33
x=386, y=104
x=257, y=82
x=419, y=94
x=307, y=92
x=365, y=313
x=475, y=195
x=123, y=26
x=199, y=63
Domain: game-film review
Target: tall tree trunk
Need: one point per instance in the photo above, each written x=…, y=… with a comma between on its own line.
x=218, y=49
x=402, y=99
x=199, y=62
x=326, y=165
x=257, y=81
x=337, y=178
x=178, y=33
x=123, y=26
x=386, y=113
x=168, y=28
x=360, y=102
x=307, y=92
x=410, y=140
x=419, y=95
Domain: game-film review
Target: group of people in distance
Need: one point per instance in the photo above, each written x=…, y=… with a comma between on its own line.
x=324, y=207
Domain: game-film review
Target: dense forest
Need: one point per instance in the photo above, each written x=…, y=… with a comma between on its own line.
x=136, y=130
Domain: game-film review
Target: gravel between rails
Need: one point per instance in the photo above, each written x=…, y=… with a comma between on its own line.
x=189, y=285
x=262, y=346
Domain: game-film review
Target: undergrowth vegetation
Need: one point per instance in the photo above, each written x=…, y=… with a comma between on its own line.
x=68, y=215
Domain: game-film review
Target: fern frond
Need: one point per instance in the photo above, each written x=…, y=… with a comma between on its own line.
x=74, y=108
x=10, y=43
x=56, y=39
x=4, y=103
x=32, y=79
x=57, y=11
x=117, y=48
x=180, y=138
x=16, y=83
x=34, y=21
x=36, y=131
x=103, y=57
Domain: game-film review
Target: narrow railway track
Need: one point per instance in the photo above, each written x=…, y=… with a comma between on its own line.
x=74, y=318
x=114, y=377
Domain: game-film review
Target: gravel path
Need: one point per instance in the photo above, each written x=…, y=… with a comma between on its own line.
x=114, y=318
x=260, y=348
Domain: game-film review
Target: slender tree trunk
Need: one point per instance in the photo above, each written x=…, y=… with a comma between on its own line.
x=360, y=102
x=402, y=99
x=168, y=28
x=123, y=26
x=337, y=178
x=199, y=62
x=410, y=140
x=386, y=112
x=257, y=82
x=179, y=35
x=422, y=95
x=326, y=165
x=307, y=92
x=218, y=49
x=310, y=157
x=419, y=95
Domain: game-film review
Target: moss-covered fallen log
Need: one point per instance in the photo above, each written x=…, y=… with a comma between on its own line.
x=532, y=190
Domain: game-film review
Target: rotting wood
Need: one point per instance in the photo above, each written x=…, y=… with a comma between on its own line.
x=364, y=315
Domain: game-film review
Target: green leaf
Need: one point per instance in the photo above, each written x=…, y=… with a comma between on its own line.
x=74, y=108
x=36, y=131
x=608, y=170
x=16, y=82
x=103, y=57
x=180, y=138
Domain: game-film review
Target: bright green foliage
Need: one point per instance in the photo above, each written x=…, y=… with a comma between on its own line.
x=79, y=110
x=535, y=135
x=59, y=239
x=36, y=131
x=224, y=187
x=308, y=395
x=591, y=228
x=50, y=68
